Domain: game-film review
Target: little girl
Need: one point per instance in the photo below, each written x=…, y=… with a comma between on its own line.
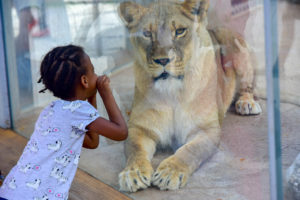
x=49, y=161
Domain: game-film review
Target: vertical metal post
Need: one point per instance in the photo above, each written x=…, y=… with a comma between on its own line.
x=5, y=111
x=273, y=100
x=10, y=60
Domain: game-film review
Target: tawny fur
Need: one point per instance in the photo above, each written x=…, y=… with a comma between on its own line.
x=184, y=110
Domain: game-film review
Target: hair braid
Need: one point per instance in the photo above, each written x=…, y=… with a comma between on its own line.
x=61, y=69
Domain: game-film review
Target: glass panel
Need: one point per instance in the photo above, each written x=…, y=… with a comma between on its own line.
x=148, y=53
x=289, y=49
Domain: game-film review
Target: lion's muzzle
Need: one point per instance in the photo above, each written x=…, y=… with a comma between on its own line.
x=162, y=61
x=165, y=75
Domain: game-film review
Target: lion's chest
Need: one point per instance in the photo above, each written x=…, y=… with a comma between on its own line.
x=175, y=121
x=180, y=128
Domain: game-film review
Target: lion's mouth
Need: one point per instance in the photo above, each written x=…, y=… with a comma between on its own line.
x=165, y=75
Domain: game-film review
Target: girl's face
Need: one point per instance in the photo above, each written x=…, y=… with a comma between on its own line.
x=91, y=76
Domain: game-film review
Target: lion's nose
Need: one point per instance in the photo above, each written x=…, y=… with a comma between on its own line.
x=162, y=61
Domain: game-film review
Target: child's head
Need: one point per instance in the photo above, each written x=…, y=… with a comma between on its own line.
x=62, y=69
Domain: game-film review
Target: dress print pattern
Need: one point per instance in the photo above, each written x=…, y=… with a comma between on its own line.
x=72, y=106
x=50, y=159
x=12, y=184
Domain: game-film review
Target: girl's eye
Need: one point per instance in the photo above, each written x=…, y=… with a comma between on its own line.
x=147, y=34
x=180, y=32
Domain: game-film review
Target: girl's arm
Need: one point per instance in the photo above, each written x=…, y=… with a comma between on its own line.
x=115, y=128
x=91, y=140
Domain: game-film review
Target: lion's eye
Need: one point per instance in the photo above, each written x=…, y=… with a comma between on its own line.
x=147, y=33
x=180, y=32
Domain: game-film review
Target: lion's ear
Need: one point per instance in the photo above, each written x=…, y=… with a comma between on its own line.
x=131, y=13
x=195, y=9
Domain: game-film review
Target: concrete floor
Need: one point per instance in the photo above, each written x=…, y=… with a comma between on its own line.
x=238, y=171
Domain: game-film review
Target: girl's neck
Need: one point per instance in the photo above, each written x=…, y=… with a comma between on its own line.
x=77, y=97
x=80, y=94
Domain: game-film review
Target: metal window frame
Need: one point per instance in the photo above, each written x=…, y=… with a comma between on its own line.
x=10, y=61
x=5, y=93
x=273, y=99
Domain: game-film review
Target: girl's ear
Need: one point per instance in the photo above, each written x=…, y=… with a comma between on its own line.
x=84, y=81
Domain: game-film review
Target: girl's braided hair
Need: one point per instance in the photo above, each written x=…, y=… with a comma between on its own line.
x=61, y=70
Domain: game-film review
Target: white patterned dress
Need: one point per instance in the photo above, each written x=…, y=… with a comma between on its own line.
x=49, y=161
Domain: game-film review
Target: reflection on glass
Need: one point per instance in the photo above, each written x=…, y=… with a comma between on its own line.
x=120, y=50
x=289, y=48
x=184, y=83
x=30, y=22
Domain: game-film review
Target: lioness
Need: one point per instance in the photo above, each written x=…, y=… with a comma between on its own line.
x=185, y=80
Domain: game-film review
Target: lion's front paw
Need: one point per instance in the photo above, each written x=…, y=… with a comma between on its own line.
x=246, y=105
x=135, y=176
x=171, y=174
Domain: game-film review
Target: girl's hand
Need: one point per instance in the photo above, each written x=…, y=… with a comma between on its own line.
x=103, y=86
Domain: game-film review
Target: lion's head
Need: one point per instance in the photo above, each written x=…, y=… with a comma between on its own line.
x=163, y=34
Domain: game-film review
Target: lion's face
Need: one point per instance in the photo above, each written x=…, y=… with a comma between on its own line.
x=161, y=40
x=162, y=35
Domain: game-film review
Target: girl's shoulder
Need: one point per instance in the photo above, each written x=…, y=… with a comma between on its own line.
x=77, y=109
x=66, y=115
x=75, y=106
x=66, y=109
x=68, y=105
x=81, y=113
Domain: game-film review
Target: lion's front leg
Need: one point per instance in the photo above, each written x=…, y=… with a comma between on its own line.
x=138, y=171
x=173, y=172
